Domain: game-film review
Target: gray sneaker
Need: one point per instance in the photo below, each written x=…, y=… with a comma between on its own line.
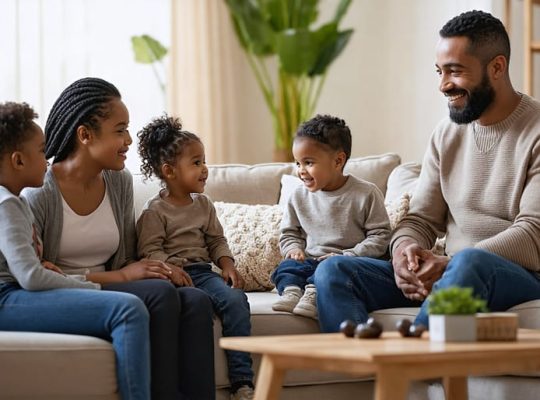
x=288, y=299
x=243, y=393
x=307, y=306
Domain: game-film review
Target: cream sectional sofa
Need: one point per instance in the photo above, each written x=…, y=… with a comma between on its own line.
x=52, y=366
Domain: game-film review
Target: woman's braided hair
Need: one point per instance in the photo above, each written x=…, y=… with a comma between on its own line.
x=83, y=102
x=160, y=142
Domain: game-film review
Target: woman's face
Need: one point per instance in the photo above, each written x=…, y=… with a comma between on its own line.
x=109, y=145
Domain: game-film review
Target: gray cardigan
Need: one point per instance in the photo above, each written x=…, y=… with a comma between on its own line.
x=46, y=203
x=19, y=262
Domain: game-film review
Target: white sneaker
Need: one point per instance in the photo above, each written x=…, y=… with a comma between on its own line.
x=243, y=393
x=288, y=299
x=307, y=306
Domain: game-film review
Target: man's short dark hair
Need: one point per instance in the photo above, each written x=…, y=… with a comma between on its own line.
x=487, y=36
x=331, y=131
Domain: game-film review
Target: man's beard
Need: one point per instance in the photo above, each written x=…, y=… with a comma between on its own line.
x=480, y=98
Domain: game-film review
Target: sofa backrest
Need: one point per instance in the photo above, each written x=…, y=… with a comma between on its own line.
x=260, y=183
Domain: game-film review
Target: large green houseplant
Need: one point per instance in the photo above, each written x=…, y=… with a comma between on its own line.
x=284, y=30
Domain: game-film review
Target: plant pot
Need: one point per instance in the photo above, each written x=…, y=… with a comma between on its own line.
x=452, y=328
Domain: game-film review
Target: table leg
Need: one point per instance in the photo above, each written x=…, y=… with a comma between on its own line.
x=391, y=385
x=269, y=380
x=455, y=387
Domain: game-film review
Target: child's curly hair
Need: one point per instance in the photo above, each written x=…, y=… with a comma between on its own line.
x=328, y=130
x=16, y=123
x=160, y=142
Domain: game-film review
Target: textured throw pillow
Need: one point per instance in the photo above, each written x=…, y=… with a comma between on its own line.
x=253, y=235
x=398, y=208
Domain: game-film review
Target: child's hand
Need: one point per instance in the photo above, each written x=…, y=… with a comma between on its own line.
x=296, y=254
x=230, y=273
x=179, y=276
x=52, y=267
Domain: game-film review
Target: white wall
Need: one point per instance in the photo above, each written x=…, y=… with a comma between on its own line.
x=384, y=84
x=47, y=44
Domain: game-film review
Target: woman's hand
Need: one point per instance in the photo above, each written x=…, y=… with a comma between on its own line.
x=179, y=276
x=146, y=269
x=52, y=267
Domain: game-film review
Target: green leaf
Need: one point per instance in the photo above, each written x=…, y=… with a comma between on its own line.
x=297, y=50
x=254, y=31
x=330, y=51
x=341, y=9
x=147, y=49
x=455, y=301
x=285, y=14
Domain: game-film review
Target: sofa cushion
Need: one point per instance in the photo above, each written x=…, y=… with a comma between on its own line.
x=246, y=184
x=375, y=169
x=402, y=180
x=56, y=366
x=253, y=235
x=260, y=183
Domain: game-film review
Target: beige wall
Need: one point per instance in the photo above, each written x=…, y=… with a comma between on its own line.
x=384, y=85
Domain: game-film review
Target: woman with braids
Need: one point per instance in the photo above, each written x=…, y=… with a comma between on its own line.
x=84, y=214
x=38, y=297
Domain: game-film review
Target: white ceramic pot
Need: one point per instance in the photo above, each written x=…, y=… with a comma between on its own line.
x=452, y=328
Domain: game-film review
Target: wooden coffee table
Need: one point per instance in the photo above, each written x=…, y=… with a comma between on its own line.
x=395, y=361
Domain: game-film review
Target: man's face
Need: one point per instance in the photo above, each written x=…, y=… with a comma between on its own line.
x=464, y=80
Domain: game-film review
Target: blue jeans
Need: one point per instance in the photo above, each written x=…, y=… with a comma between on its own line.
x=117, y=317
x=181, y=338
x=232, y=307
x=352, y=287
x=294, y=273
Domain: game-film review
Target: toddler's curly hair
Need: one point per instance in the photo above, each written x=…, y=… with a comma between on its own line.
x=328, y=130
x=16, y=123
x=160, y=142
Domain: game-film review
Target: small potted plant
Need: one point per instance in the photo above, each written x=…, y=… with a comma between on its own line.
x=452, y=314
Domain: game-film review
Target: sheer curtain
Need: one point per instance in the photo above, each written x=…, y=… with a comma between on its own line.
x=47, y=44
x=205, y=66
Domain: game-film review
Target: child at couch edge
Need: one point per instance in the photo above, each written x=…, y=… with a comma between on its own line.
x=35, y=295
x=331, y=214
x=179, y=227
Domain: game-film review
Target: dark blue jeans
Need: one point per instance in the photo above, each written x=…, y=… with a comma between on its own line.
x=120, y=318
x=232, y=307
x=352, y=287
x=294, y=273
x=181, y=338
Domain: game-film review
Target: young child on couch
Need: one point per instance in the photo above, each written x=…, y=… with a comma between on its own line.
x=179, y=227
x=331, y=214
x=36, y=296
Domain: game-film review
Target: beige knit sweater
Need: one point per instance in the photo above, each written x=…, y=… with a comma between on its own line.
x=480, y=185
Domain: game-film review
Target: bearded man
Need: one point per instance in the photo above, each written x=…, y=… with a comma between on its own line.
x=479, y=187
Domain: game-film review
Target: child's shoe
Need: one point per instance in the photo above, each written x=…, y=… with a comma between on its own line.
x=288, y=299
x=243, y=393
x=307, y=306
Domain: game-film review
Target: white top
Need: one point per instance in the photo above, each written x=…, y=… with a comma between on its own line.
x=88, y=241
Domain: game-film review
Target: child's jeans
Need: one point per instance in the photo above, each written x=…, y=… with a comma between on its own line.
x=294, y=273
x=232, y=307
